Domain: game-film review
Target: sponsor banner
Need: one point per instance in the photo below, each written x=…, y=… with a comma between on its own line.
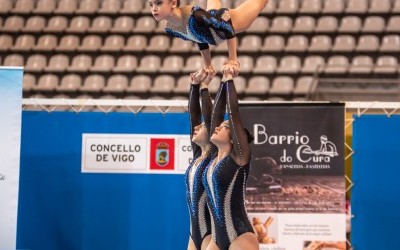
x=297, y=173
x=375, y=197
x=135, y=153
x=10, y=138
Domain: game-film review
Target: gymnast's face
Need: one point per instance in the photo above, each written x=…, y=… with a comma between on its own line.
x=160, y=9
x=200, y=135
x=222, y=134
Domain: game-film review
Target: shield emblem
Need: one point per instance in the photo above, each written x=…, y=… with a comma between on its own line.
x=162, y=154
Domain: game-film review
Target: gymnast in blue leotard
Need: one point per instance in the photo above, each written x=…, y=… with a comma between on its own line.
x=211, y=26
x=200, y=226
x=226, y=175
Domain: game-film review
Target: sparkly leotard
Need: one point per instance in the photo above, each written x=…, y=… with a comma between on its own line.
x=203, y=27
x=225, y=182
x=200, y=225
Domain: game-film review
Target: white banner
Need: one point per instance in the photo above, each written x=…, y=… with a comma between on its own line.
x=10, y=142
x=135, y=153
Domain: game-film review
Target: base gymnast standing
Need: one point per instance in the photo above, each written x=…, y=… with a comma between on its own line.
x=226, y=175
x=211, y=26
x=200, y=227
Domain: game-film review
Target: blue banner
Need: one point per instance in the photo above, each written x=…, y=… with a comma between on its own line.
x=10, y=138
x=62, y=208
x=376, y=192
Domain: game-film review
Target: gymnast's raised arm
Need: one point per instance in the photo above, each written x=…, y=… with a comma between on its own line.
x=218, y=113
x=241, y=146
x=194, y=115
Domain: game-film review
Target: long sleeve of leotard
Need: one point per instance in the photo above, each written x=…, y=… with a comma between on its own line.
x=194, y=115
x=206, y=108
x=218, y=113
x=241, y=146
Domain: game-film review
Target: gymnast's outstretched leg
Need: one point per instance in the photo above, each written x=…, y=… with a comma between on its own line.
x=214, y=4
x=245, y=14
x=241, y=18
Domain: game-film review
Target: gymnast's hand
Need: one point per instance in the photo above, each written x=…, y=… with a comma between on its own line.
x=231, y=66
x=198, y=76
x=207, y=80
x=210, y=71
x=226, y=75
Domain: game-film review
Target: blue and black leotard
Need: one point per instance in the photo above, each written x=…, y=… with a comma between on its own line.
x=203, y=27
x=200, y=225
x=225, y=181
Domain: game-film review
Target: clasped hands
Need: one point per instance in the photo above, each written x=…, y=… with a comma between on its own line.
x=230, y=69
x=202, y=76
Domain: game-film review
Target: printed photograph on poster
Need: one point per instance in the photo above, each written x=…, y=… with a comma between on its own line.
x=324, y=245
x=266, y=227
x=270, y=190
x=295, y=194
